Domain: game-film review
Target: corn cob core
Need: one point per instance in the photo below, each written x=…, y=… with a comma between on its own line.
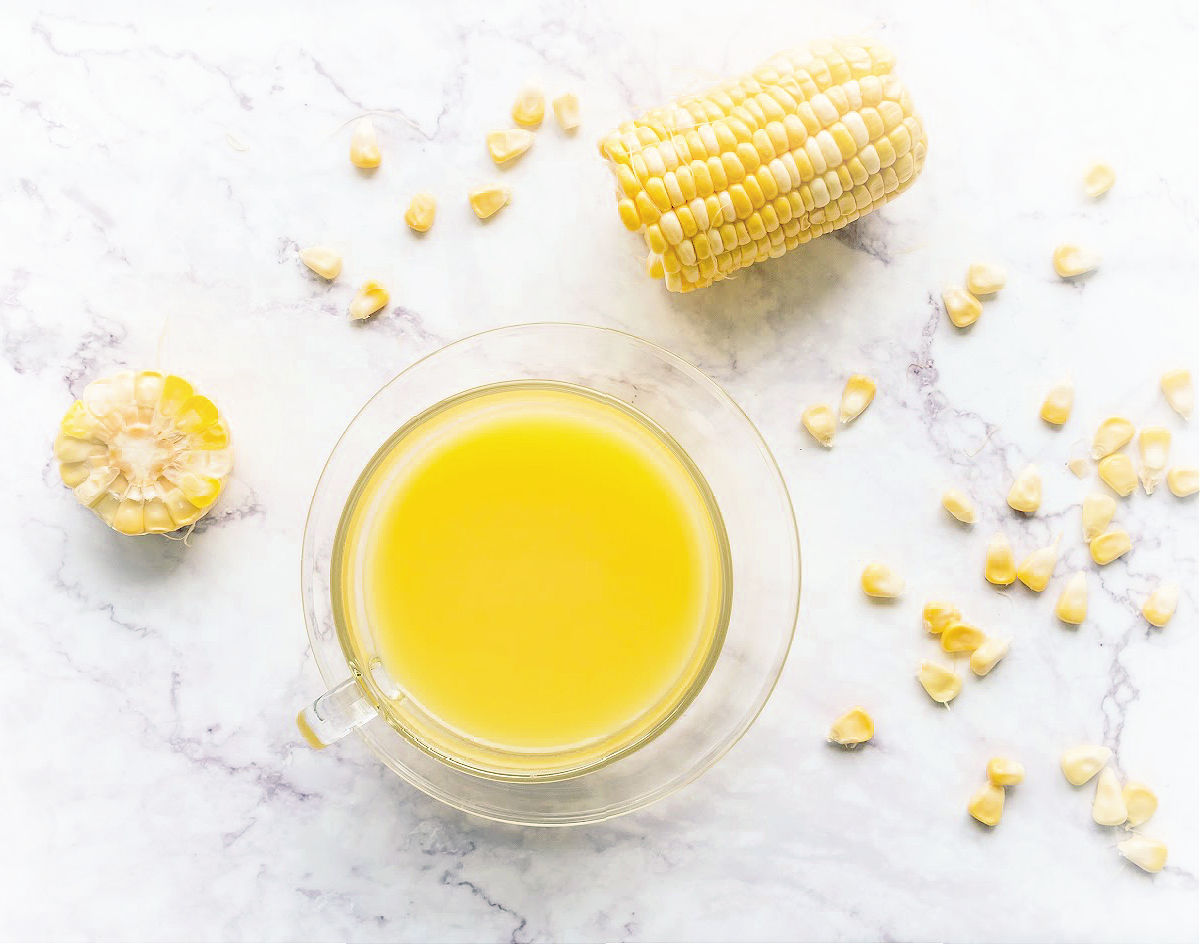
x=808, y=142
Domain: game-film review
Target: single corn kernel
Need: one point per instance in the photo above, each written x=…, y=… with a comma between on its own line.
x=488, y=200
x=985, y=279
x=1005, y=772
x=1183, y=480
x=1147, y=854
x=1177, y=388
x=1110, y=436
x=325, y=262
x=940, y=683
x=421, y=211
x=878, y=580
x=962, y=307
x=1116, y=472
x=1108, y=806
x=987, y=804
x=1140, y=803
x=937, y=616
x=984, y=659
x=1079, y=466
x=1026, y=492
x=504, y=146
x=1082, y=763
x=1160, y=605
x=962, y=638
x=1098, y=511
x=1154, y=443
x=530, y=107
x=566, y=111
x=369, y=300
x=999, y=566
x=853, y=728
x=1098, y=178
x=856, y=396
x=958, y=505
x=364, y=144
x=1037, y=569
x=1056, y=408
x=819, y=421
x=1071, y=260
x=1072, y=602
x=1108, y=547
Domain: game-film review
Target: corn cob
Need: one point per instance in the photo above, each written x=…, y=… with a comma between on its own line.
x=805, y=144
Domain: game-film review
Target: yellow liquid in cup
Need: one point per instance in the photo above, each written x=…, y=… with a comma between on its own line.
x=532, y=579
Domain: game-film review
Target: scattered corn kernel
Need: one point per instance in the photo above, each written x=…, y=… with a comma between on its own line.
x=488, y=200
x=853, y=728
x=325, y=262
x=1108, y=806
x=878, y=580
x=987, y=804
x=999, y=566
x=985, y=279
x=1150, y=855
x=1071, y=260
x=530, y=107
x=506, y=145
x=962, y=638
x=369, y=300
x=1037, y=569
x=1177, y=388
x=1108, y=547
x=1183, y=480
x=1116, y=472
x=566, y=111
x=1026, y=492
x=421, y=211
x=1160, y=605
x=1072, y=602
x=991, y=652
x=820, y=422
x=1098, y=178
x=1005, y=772
x=958, y=505
x=1083, y=762
x=364, y=144
x=937, y=616
x=1140, y=803
x=1110, y=436
x=940, y=683
x=1079, y=466
x=962, y=307
x=1098, y=511
x=1056, y=408
x=1154, y=443
x=856, y=396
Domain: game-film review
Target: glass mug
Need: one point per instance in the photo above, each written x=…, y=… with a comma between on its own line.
x=758, y=608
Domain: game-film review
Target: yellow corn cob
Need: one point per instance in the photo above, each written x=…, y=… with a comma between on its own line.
x=805, y=144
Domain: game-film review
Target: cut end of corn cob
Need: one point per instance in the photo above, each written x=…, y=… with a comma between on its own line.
x=145, y=452
x=505, y=146
x=487, y=201
x=421, y=211
x=802, y=146
x=566, y=111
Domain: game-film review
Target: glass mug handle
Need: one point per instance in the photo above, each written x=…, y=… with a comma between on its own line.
x=335, y=715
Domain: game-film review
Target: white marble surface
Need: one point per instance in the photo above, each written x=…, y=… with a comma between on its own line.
x=159, y=172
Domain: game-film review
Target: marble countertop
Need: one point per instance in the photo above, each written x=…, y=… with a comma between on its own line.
x=158, y=175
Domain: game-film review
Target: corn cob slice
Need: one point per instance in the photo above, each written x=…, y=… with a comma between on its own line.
x=805, y=144
x=144, y=452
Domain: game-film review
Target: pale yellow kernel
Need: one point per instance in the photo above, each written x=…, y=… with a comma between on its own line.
x=487, y=201
x=1079, y=466
x=566, y=111
x=369, y=300
x=959, y=505
x=990, y=652
x=1071, y=260
x=985, y=278
x=1083, y=762
x=1005, y=772
x=1098, y=511
x=1116, y=472
x=1098, y=178
x=1149, y=855
x=999, y=566
x=530, y=107
x=325, y=262
x=1037, y=569
x=962, y=307
x=1071, y=606
x=962, y=638
x=941, y=683
x=1110, y=436
x=938, y=615
x=1140, y=803
x=853, y=728
x=1056, y=408
x=1108, y=547
x=878, y=580
x=856, y=396
x=1026, y=492
x=507, y=145
x=1183, y=480
x=421, y=211
x=821, y=424
x=1160, y=605
x=1154, y=444
x=987, y=804
x=1108, y=806
x=364, y=144
x=1177, y=388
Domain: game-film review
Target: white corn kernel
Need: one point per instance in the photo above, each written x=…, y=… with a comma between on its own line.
x=985, y=279
x=1147, y=854
x=853, y=728
x=1160, y=605
x=1108, y=806
x=1183, y=480
x=987, y=804
x=488, y=200
x=962, y=638
x=1098, y=178
x=369, y=300
x=530, y=107
x=1072, y=602
x=1056, y=408
x=1116, y=472
x=1071, y=260
x=1154, y=443
x=878, y=580
x=1140, y=803
x=1177, y=388
x=1108, y=547
x=991, y=652
x=1037, y=569
x=1110, y=436
x=999, y=566
x=1026, y=492
x=421, y=211
x=1098, y=511
x=937, y=616
x=566, y=111
x=856, y=396
x=1082, y=763
x=1079, y=466
x=962, y=307
x=322, y=260
x=940, y=683
x=958, y=505
x=819, y=421
x=364, y=144
x=1005, y=772
x=506, y=145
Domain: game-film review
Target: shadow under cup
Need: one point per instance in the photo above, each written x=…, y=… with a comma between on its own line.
x=761, y=586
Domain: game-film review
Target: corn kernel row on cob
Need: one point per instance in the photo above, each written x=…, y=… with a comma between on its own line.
x=805, y=144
